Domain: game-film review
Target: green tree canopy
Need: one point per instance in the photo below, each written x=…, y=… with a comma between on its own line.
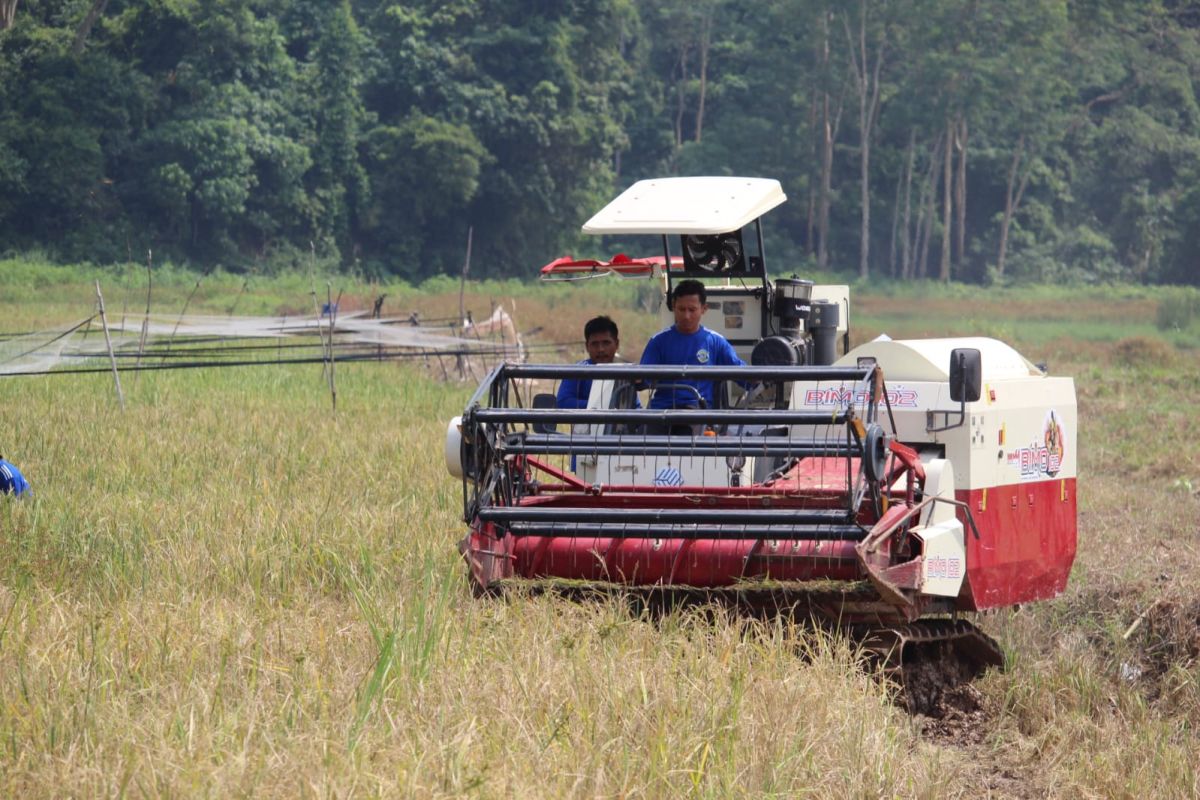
x=981, y=141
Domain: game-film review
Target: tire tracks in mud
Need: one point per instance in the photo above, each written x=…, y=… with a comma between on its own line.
x=961, y=722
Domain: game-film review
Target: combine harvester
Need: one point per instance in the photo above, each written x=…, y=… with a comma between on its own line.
x=887, y=491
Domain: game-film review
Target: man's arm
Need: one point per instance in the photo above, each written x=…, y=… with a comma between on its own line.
x=568, y=394
x=726, y=355
x=650, y=354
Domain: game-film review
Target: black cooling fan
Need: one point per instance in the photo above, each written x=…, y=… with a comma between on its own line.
x=720, y=252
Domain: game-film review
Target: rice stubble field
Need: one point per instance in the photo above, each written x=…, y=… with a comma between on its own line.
x=231, y=590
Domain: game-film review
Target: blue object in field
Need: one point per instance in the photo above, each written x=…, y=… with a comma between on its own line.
x=11, y=480
x=328, y=309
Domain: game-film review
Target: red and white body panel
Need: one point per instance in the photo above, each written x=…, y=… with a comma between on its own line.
x=1014, y=459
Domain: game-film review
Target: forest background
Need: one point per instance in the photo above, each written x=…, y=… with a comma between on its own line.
x=970, y=140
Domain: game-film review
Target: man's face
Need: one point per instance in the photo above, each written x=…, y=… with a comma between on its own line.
x=601, y=347
x=688, y=311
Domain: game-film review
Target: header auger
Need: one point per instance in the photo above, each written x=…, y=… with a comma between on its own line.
x=886, y=491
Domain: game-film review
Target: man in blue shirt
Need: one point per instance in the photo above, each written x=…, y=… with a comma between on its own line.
x=11, y=480
x=600, y=337
x=689, y=343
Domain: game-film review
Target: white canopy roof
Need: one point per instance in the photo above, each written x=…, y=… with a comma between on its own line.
x=687, y=206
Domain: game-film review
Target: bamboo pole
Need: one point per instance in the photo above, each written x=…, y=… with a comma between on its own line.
x=182, y=314
x=332, y=306
x=108, y=341
x=145, y=319
x=462, y=292
x=321, y=334
x=312, y=257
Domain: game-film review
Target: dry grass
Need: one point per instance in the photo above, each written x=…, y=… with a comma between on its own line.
x=227, y=590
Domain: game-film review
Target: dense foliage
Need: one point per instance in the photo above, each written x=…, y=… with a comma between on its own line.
x=975, y=141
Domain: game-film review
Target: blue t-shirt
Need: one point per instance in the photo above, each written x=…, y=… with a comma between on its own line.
x=11, y=479
x=573, y=392
x=704, y=348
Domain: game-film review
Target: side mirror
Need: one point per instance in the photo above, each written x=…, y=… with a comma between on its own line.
x=966, y=374
x=966, y=384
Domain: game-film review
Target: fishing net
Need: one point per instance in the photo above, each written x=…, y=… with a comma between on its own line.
x=156, y=341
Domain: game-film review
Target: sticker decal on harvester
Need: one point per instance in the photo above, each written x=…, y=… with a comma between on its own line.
x=898, y=396
x=1042, y=459
x=944, y=567
x=668, y=476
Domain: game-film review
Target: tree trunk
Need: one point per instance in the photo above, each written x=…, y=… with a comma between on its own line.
x=906, y=241
x=813, y=179
x=680, y=96
x=1012, y=200
x=864, y=197
x=872, y=119
x=929, y=205
x=894, y=244
x=867, y=81
x=947, y=203
x=8, y=13
x=917, y=267
x=826, y=158
x=960, y=199
x=826, y=189
x=864, y=144
x=85, y=28
x=705, y=42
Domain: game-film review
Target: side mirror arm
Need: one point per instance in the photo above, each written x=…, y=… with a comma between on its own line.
x=930, y=417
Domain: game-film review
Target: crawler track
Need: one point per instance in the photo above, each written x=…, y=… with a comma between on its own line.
x=930, y=657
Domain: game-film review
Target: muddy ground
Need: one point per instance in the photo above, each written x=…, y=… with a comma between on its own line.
x=1153, y=655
